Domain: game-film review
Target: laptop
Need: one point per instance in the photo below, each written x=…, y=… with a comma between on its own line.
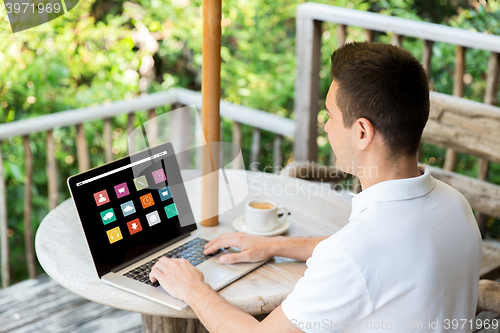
x=135, y=210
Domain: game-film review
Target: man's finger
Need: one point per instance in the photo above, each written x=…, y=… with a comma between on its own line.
x=161, y=266
x=164, y=260
x=155, y=274
x=229, y=235
x=222, y=242
x=233, y=258
x=217, y=239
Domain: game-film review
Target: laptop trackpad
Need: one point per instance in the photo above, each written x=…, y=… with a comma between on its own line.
x=215, y=273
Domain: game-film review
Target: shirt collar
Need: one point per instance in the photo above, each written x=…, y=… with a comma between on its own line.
x=394, y=190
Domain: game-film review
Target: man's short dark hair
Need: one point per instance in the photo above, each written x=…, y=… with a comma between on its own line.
x=386, y=85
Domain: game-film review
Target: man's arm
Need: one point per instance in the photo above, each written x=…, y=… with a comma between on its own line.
x=300, y=248
x=256, y=248
x=182, y=280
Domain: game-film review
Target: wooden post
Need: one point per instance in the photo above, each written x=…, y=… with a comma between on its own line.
x=255, y=148
x=396, y=39
x=28, y=235
x=210, y=90
x=451, y=158
x=277, y=155
x=333, y=158
x=130, y=123
x=369, y=35
x=341, y=34
x=4, y=239
x=490, y=97
x=156, y=324
x=52, y=172
x=426, y=63
x=180, y=136
x=237, y=144
x=108, y=143
x=308, y=50
x=426, y=59
x=152, y=130
x=492, y=79
x=82, y=149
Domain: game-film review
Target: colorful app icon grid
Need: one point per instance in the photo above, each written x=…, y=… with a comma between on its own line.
x=159, y=176
x=101, y=197
x=128, y=208
x=153, y=218
x=165, y=193
x=121, y=190
x=140, y=183
x=134, y=226
x=147, y=200
x=114, y=235
x=171, y=210
x=108, y=216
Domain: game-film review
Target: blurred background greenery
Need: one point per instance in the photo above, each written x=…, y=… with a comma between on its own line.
x=94, y=54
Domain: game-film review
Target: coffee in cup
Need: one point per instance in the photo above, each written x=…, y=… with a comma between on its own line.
x=262, y=215
x=261, y=205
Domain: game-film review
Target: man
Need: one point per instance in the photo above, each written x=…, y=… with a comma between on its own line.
x=409, y=257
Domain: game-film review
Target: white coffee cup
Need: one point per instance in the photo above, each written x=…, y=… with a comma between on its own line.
x=262, y=215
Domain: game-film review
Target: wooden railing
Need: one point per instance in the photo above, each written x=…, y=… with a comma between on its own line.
x=455, y=123
x=476, y=136
x=310, y=17
x=260, y=120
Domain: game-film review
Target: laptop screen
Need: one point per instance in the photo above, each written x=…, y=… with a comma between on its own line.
x=127, y=208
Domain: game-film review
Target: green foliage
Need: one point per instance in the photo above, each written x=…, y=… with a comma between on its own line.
x=93, y=55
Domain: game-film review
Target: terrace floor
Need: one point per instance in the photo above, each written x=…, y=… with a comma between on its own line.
x=43, y=305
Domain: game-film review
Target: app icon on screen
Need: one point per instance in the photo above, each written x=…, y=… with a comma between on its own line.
x=140, y=183
x=134, y=226
x=128, y=208
x=165, y=193
x=153, y=218
x=147, y=200
x=171, y=210
x=114, y=235
x=159, y=176
x=121, y=190
x=108, y=216
x=101, y=197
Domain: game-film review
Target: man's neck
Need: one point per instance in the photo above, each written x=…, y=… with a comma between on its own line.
x=405, y=167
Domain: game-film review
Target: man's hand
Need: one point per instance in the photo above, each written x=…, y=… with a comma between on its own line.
x=179, y=278
x=253, y=248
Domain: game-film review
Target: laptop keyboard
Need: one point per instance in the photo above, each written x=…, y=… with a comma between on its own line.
x=192, y=251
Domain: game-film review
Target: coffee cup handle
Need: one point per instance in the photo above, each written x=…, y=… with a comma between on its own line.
x=282, y=219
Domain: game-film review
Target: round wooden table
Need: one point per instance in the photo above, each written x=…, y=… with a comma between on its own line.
x=315, y=209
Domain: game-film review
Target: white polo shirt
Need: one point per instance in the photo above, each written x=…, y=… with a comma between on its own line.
x=408, y=260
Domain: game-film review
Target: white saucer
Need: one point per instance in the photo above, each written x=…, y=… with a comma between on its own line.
x=240, y=225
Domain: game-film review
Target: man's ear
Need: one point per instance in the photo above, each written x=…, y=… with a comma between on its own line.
x=364, y=133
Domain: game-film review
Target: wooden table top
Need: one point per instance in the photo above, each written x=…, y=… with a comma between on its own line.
x=315, y=210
